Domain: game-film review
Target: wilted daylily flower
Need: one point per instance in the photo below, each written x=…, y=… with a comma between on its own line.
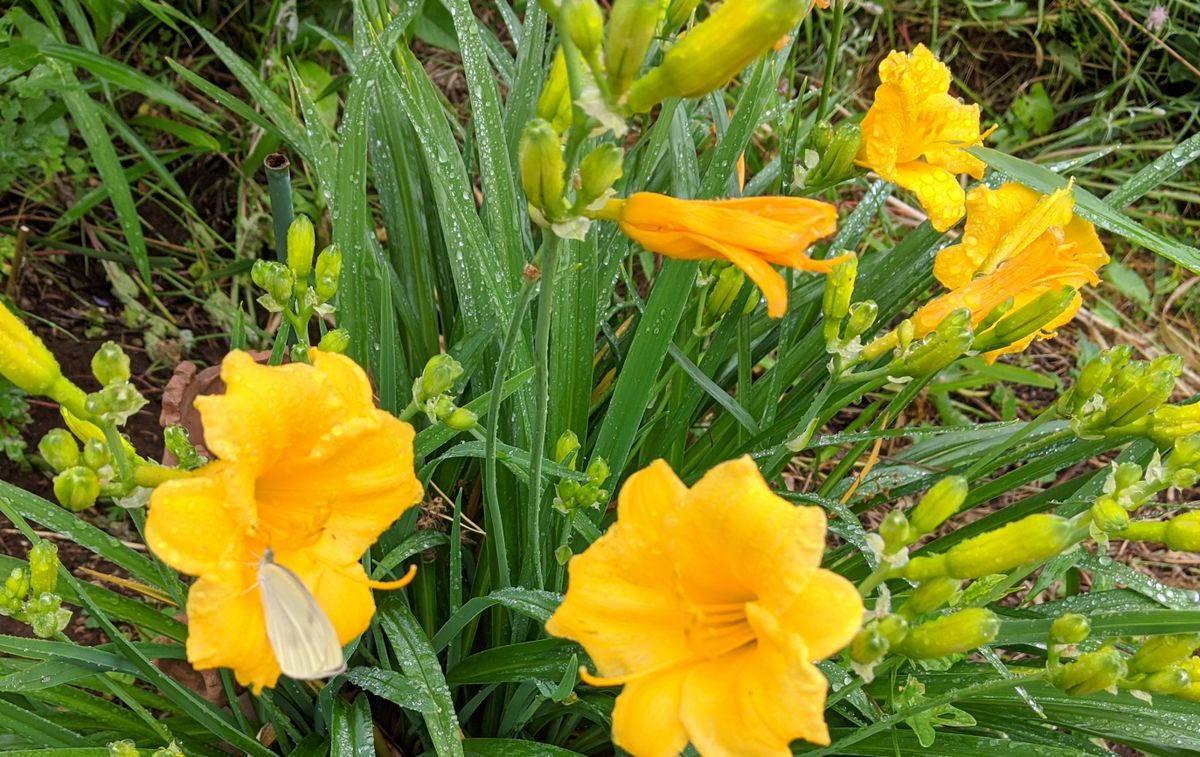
x=709, y=605
x=914, y=134
x=752, y=233
x=307, y=467
x=1017, y=244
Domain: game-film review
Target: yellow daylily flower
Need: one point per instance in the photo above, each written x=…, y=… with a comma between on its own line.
x=709, y=605
x=751, y=232
x=307, y=467
x=1016, y=244
x=914, y=133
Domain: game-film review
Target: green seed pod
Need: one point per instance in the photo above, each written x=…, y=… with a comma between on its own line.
x=935, y=351
x=939, y=503
x=583, y=21
x=962, y=631
x=1032, y=539
x=554, y=102
x=835, y=302
x=59, y=449
x=43, y=567
x=96, y=454
x=1092, y=672
x=930, y=595
x=632, y=25
x=540, y=158
x=328, y=271
x=1183, y=532
x=336, y=340
x=566, y=447
x=441, y=371
x=715, y=50
x=1109, y=516
x=1070, y=628
x=301, y=241
x=1025, y=320
x=110, y=364
x=598, y=171
x=1160, y=652
x=77, y=488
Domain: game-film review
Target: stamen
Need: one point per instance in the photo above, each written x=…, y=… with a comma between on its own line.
x=397, y=584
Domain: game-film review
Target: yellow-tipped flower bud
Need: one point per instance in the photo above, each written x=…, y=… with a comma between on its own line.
x=598, y=171
x=59, y=449
x=1183, y=532
x=43, y=567
x=715, y=50
x=336, y=340
x=1031, y=539
x=939, y=503
x=1160, y=652
x=301, y=241
x=25, y=361
x=1109, y=516
x=539, y=155
x=328, y=271
x=835, y=301
x=1070, y=628
x=583, y=21
x=110, y=364
x=960, y=632
x=1092, y=672
x=632, y=25
x=868, y=645
x=925, y=567
x=1167, y=681
x=566, y=447
x=554, y=102
x=951, y=338
x=930, y=595
x=77, y=488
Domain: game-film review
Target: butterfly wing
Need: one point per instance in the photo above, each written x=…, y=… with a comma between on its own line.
x=301, y=636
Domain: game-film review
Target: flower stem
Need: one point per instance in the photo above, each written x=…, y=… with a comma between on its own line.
x=532, y=568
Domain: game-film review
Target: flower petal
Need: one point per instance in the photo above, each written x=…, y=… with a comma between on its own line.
x=936, y=189
x=226, y=629
x=990, y=213
x=340, y=590
x=195, y=524
x=347, y=378
x=826, y=614
x=645, y=718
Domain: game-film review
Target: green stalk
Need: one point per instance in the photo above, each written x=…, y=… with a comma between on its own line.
x=279, y=186
x=831, y=59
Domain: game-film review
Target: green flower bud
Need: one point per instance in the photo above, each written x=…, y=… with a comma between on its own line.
x=597, y=470
x=441, y=371
x=1186, y=453
x=115, y=402
x=994, y=315
x=554, y=102
x=301, y=241
x=868, y=645
x=1141, y=399
x=77, y=488
x=925, y=567
x=678, y=12
x=632, y=25
x=43, y=567
x=123, y=748
x=566, y=447
x=896, y=532
x=16, y=585
x=930, y=595
x=1032, y=539
x=1092, y=672
x=725, y=291
x=894, y=628
x=276, y=280
x=539, y=156
x=1026, y=320
x=461, y=419
x=175, y=439
x=1183, y=532
x=1172, y=364
x=821, y=136
x=336, y=340
x=110, y=364
x=1167, y=681
x=59, y=449
x=1160, y=652
x=951, y=338
x=939, y=503
x=714, y=51
x=327, y=272
x=836, y=163
x=46, y=615
x=583, y=21
x=1109, y=516
x=862, y=317
x=835, y=302
x=1070, y=628
x=962, y=631
x=96, y=454
x=1094, y=374
x=598, y=171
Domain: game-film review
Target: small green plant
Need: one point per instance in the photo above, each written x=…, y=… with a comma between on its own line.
x=14, y=416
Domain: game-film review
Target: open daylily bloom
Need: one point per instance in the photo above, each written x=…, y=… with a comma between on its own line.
x=914, y=133
x=306, y=466
x=709, y=605
x=1016, y=244
x=753, y=233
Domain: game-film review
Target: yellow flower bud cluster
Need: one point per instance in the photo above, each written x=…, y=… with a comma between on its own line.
x=28, y=594
x=1117, y=396
x=431, y=393
x=1159, y=665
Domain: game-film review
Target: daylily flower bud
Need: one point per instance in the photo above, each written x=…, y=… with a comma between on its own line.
x=110, y=364
x=276, y=280
x=46, y=615
x=566, y=447
x=1027, y=320
x=597, y=470
x=729, y=283
x=58, y=449
x=1183, y=532
x=336, y=340
x=835, y=302
x=77, y=488
x=301, y=241
x=115, y=402
x=461, y=419
x=1032, y=539
x=925, y=567
x=554, y=102
x=328, y=270
x=1140, y=399
x=441, y=371
x=25, y=361
x=862, y=317
x=941, y=501
x=951, y=338
x=715, y=50
x=539, y=155
x=1092, y=672
x=959, y=632
x=598, y=170
x=678, y=12
x=175, y=438
x=1109, y=516
x=1093, y=376
x=836, y=163
x=896, y=532
x=632, y=25
x=1159, y=652
x=125, y=748
x=1167, y=681
x=868, y=645
x=994, y=315
x=929, y=596
x=583, y=21
x=1070, y=628
x=16, y=587
x=96, y=454
x=43, y=567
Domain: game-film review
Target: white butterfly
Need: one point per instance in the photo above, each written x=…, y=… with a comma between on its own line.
x=301, y=636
